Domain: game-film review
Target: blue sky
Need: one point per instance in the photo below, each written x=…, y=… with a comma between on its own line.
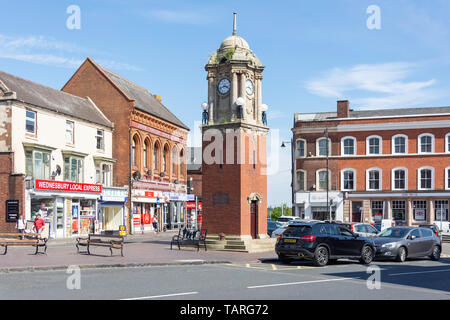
x=315, y=52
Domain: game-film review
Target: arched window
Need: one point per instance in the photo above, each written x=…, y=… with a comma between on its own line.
x=301, y=180
x=373, y=179
x=426, y=143
x=348, y=146
x=322, y=146
x=322, y=177
x=181, y=164
x=155, y=155
x=133, y=152
x=174, y=161
x=164, y=158
x=399, y=179
x=300, y=147
x=400, y=144
x=374, y=145
x=425, y=178
x=146, y=153
x=348, y=180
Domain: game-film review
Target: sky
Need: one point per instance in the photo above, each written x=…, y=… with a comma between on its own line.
x=315, y=53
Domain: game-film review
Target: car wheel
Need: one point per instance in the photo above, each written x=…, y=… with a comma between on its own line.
x=366, y=255
x=401, y=256
x=321, y=257
x=436, y=253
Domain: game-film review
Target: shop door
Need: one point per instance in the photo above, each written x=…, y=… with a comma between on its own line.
x=254, y=219
x=356, y=211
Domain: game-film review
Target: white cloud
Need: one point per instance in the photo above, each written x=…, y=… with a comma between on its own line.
x=48, y=51
x=388, y=82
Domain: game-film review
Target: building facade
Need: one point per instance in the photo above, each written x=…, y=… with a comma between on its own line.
x=58, y=154
x=383, y=164
x=149, y=145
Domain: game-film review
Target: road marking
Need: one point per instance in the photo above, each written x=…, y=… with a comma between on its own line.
x=274, y=267
x=419, y=272
x=297, y=283
x=163, y=296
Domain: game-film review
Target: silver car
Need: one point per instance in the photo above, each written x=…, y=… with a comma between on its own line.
x=400, y=243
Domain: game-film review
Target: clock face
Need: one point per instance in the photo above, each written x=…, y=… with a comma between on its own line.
x=249, y=87
x=224, y=86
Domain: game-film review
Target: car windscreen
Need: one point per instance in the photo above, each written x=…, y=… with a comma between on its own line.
x=297, y=231
x=284, y=219
x=394, y=233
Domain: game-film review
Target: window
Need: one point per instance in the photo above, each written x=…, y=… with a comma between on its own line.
x=322, y=178
x=37, y=164
x=301, y=148
x=73, y=169
x=399, y=210
x=373, y=179
x=30, y=122
x=415, y=233
x=399, y=144
x=420, y=210
x=155, y=156
x=133, y=152
x=441, y=210
x=377, y=210
x=348, y=180
x=164, y=159
x=183, y=168
x=100, y=140
x=323, y=145
x=175, y=161
x=426, y=233
x=103, y=174
x=348, y=146
x=69, y=132
x=301, y=182
x=447, y=143
x=145, y=155
x=426, y=178
x=373, y=145
x=399, y=179
x=426, y=143
x=447, y=178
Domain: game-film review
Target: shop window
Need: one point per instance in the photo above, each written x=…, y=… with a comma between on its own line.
x=30, y=122
x=100, y=139
x=377, y=210
x=399, y=210
x=69, y=132
x=73, y=169
x=37, y=164
x=420, y=210
x=441, y=210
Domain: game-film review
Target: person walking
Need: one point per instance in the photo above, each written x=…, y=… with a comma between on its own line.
x=155, y=223
x=39, y=224
x=21, y=225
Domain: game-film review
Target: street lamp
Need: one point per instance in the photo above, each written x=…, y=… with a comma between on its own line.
x=264, y=108
x=283, y=145
x=205, y=113
x=240, y=102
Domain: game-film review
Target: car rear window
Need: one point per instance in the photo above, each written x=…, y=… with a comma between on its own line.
x=297, y=231
x=426, y=233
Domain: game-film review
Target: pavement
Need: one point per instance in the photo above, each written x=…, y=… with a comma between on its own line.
x=152, y=249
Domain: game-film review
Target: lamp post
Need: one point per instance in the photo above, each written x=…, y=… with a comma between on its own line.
x=264, y=108
x=205, y=113
x=283, y=145
x=240, y=102
x=325, y=134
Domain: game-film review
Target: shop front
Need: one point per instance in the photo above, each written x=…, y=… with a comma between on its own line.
x=315, y=206
x=176, y=214
x=194, y=211
x=112, y=209
x=68, y=208
x=146, y=205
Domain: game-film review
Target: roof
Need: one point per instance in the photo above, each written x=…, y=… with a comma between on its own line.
x=54, y=100
x=375, y=113
x=144, y=100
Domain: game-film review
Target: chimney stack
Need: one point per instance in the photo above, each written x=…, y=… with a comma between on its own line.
x=343, y=109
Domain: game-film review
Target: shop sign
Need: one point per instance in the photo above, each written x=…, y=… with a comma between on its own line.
x=191, y=205
x=122, y=230
x=67, y=186
x=12, y=210
x=176, y=196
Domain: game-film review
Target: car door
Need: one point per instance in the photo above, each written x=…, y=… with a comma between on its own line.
x=371, y=232
x=427, y=240
x=415, y=246
x=347, y=245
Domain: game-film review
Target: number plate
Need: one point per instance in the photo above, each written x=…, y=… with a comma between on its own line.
x=290, y=240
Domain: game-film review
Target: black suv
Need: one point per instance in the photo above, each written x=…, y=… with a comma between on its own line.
x=322, y=242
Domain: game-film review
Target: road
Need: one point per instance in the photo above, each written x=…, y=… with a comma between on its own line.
x=420, y=279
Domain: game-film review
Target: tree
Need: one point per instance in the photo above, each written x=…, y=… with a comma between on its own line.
x=276, y=212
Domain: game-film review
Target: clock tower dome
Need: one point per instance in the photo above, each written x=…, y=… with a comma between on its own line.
x=234, y=146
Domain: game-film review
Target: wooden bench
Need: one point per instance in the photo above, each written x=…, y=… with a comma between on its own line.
x=101, y=240
x=25, y=239
x=187, y=237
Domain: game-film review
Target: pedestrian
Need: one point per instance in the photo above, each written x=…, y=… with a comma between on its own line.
x=21, y=225
x=39, y=224
x=155, y=223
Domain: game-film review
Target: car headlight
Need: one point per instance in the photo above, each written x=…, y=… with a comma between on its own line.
x=388, y=245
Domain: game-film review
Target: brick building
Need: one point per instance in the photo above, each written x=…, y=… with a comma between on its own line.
x=392, y=164
x=149, y=145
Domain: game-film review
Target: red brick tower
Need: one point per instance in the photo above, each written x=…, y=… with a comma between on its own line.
x=234, y=144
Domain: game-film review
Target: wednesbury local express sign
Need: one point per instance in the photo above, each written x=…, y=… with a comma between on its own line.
x=67, y=186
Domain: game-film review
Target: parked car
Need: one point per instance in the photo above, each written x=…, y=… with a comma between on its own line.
x=284, y=225
x=287, y=218
x=272, y=226
x=362, y=229
x=433, y=227
x=322, y=243
x=377, y=226
x=400, y=243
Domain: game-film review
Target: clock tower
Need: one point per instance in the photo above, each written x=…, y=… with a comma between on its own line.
x=234, y=180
